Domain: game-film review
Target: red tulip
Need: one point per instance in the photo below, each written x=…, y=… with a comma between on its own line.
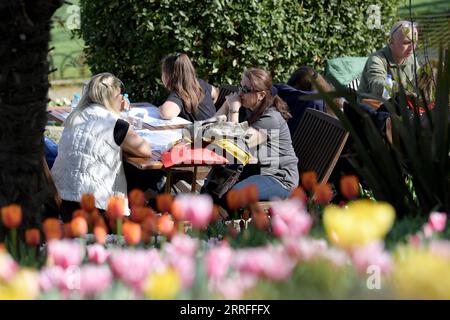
x=164, y=202
x=136, y=198
x=11, y=216
x=165, y=225
x=52, y=229
x=87, y=202
x=299, y=193
x=33, y=237
x=116, y=207
x=309, y=180
x=78, y=227
x=234, y=200
x=349, y=186
x=323, y=193
x=100, y=233
x=250, y=194
x=138, y=214
x=132, y=233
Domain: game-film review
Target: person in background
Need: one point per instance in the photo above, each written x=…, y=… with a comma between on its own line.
x=301, y=83
x=276, y=173
x=90, y=150
x=190, y=98
x=50, y=151
x=395, y=59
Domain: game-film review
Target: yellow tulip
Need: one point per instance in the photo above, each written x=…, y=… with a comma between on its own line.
x=24, y=286
x=163, y=285
x=420, y=274
x=362, y=222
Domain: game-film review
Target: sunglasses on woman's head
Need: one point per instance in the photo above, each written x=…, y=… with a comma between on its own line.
x=244, y=89
x=121, y=86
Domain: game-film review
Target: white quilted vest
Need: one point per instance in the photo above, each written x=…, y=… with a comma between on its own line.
x=89, y=160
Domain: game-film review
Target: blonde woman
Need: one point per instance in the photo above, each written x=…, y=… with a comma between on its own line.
x=190, y=98
x=90, y=150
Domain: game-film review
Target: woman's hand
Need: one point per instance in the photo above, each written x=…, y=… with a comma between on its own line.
x=234, y=102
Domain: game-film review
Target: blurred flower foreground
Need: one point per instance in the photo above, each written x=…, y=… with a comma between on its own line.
x=187, y=251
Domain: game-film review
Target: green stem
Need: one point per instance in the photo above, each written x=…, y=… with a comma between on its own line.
x=35, y=256
x=181, y=227
x=14, y=243
x=119, y=228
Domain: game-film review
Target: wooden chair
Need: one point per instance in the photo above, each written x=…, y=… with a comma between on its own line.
x=353, y=86
x=224, y=90
x=318, y=142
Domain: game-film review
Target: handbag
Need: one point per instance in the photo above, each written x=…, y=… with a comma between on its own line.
x=220, y=179
x=215, y=128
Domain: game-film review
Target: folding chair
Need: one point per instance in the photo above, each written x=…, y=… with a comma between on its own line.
x=353, y=85
x=318, y=143
x=224, y=90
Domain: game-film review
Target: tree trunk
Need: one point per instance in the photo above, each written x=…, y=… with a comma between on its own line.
x=24, y=34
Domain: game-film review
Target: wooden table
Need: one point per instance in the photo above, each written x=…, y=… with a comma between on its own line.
x=59, y=114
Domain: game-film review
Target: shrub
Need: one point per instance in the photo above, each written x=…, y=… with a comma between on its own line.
x=129, y=38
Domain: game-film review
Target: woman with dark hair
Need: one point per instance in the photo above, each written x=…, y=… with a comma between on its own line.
x=190, y=98
x=276, y=173
x=303, y=79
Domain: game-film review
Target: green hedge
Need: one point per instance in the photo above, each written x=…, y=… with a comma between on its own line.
x=130, y=37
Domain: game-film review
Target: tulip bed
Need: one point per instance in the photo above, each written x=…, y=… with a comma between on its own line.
x=188, y=253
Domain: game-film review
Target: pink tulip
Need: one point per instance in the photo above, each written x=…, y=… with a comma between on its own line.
x=268, y=262
x=97, y=253
x=185, y=266
x=414, y=240
x=133, y=266
x=218, y=261
x=8, y=267
x=427, y=230
x=94, y=280
x=182, y=244
x=52, y=277
x=195, y=208
x=337, y=257
x=441, y=248
x=289, y=218
x=304, y=249
x=437, y=221
x=234, y=287
x=65, y=253
x=371, y=254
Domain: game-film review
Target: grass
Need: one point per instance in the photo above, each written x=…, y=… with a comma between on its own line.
x=67, y=55
x=422, y=7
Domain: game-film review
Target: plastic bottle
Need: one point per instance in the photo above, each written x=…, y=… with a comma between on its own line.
x=126, y=110
x=387, y=90
x=75, y=100
x=125, y=97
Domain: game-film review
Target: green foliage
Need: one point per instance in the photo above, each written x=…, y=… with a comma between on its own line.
x=412, y=173
x=129, y=38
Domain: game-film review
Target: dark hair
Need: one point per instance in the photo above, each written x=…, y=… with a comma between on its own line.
x=180, y=77
x=261, y=80
x=301, y=80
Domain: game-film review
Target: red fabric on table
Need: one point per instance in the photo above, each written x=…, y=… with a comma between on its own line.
x=187, y=155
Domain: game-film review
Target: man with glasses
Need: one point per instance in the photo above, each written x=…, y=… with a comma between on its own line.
x=395, y=59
